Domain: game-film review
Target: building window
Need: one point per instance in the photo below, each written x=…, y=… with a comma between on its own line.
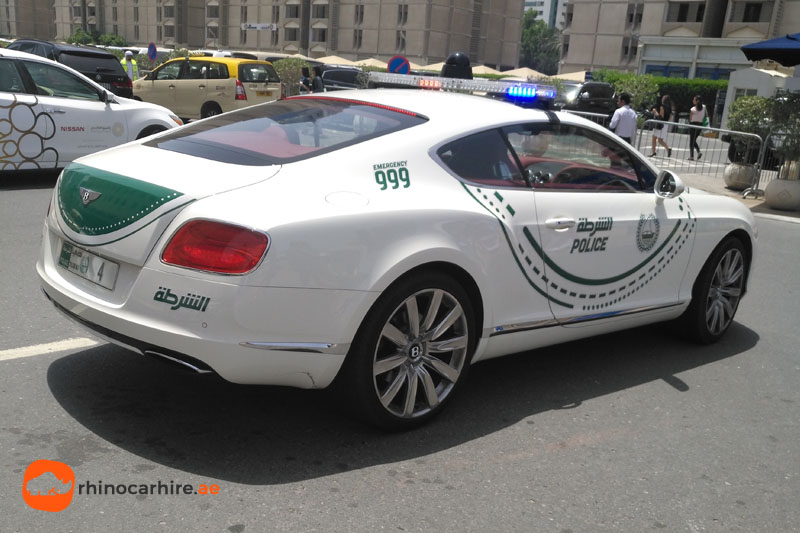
x=136, y=33
x=211, y=32
x=136, y=15
x=358, y=38
x=114, y=14
x=169, y=32
x=274, y=39
x=276, y=14
x=744, y=92
x=159, y=14
x=565, y=47
x=76, y=11
x=91, y=11
x=751, y=12
x=293, y=12
x=212, y=12
x=568, y=17
x=169, y=12
x=400, y=41
x=359, y=14
x=685, y=12
x=402, y=14
x=291, y=34
x=115, y=29
x=319, y=11
x=159, y=33
x=319, y=35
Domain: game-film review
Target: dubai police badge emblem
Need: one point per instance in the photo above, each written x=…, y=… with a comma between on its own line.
x=647, y=232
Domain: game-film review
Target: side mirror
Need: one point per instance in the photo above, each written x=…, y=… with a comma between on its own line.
x=668, y=185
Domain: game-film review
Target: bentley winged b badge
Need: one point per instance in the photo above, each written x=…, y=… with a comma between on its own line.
x=88, y=196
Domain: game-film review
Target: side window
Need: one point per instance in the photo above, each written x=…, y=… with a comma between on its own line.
x=10, y=82
x=568, y=157
x=485, y=158
x=217, y=71
x=194, y=70
x=169, y=71
x=53, y=81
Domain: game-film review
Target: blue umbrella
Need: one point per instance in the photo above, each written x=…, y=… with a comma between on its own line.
x=785, y=50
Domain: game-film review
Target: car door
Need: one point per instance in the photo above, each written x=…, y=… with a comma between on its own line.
x=191, y=88
x=609, y=245
x=159, y=87
x=493, y=178
x=83, y=123
x=25, y=131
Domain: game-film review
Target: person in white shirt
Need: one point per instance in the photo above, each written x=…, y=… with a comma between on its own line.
x=623, y=123
x=698, y=116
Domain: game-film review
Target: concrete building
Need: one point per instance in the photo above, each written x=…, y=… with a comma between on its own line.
x=550, y=11
x=27, y=18
x=425, y=31
x=671, y=38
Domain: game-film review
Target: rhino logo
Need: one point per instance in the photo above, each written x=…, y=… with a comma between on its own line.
x=48, y=485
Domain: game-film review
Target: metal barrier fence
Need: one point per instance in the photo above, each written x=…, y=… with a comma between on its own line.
x=597, y=118
x=769, y=164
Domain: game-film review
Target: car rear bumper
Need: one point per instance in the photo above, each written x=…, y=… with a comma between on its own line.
x=255, y=335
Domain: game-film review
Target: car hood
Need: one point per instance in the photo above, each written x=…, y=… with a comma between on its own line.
x=129, y=104
x=123, y=199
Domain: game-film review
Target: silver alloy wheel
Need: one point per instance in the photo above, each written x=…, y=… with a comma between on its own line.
x=420, y=353
x=725, y=291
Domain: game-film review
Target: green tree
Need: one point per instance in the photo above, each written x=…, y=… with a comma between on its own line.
x=540, y=45
x=643, y=90
x=288, y=70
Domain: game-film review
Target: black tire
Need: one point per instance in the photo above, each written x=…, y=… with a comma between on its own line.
x=209, y=110
x=150, y=130
x=398, y=380
x=717, y=292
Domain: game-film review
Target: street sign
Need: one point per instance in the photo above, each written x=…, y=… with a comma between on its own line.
x=151, y=51
x=259, y=26
x=398, y=65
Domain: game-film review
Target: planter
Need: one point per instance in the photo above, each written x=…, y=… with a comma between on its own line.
x=739, y=177
x=784, y=193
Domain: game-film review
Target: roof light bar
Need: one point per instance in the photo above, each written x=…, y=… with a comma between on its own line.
x=512, y=90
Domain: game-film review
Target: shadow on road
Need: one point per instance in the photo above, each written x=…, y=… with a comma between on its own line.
x=271, y=435
x=28, y=179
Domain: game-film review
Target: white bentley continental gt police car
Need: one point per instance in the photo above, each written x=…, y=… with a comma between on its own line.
x=386, y=239
x=51, y=114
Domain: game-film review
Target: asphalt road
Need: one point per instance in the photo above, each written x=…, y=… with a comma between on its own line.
x=634, y=431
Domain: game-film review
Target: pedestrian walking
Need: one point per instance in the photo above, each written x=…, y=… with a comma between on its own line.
x=665, y=112
x=623, y=123
x=698, y=116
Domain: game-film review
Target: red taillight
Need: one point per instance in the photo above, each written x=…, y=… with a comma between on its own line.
x=125, y=84
x=216, y=247
x=240, y=94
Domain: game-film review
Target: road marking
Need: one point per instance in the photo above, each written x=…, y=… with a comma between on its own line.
x=52, y=347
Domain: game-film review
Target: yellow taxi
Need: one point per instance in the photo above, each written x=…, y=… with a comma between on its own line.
x=200, y=87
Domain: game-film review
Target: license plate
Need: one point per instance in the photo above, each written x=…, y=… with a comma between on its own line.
x=263, y=93
x=88, y=265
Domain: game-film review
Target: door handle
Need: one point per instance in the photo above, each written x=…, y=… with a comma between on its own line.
x=171, y=86
x=559, y=223
x=201, y=86
x=55, y=111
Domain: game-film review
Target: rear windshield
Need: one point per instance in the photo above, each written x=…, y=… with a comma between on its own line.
x=285, y=131
x=257, y=72
x=91, y=63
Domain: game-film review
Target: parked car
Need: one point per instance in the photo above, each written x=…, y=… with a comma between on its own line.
x=200, y=87
x=51, y=114
x=97, y=64
x=339, y=77
x=588, y=97
x=438, y=230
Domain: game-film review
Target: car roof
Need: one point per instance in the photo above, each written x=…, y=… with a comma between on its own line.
x=5, y=52
x=451, y=112
x=230, y=61
x=66, y=47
